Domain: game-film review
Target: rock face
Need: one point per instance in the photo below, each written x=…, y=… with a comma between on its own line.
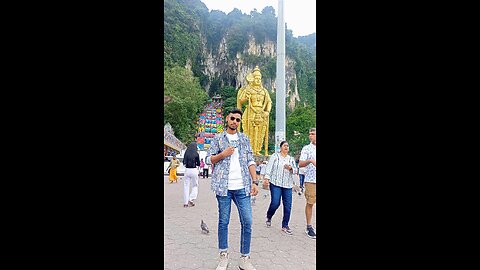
x=217, y=66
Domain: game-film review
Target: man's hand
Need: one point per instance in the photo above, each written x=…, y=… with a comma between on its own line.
x=254, y=190
x=228, y=151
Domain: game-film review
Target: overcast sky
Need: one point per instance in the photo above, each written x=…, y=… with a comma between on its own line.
x=300, y=15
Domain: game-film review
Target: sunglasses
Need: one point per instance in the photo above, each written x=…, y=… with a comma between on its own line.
x=237, y=119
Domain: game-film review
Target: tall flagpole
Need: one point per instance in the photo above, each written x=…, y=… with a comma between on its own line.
x=280, y=80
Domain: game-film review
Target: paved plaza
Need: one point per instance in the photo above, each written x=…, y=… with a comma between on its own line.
x=186, y=247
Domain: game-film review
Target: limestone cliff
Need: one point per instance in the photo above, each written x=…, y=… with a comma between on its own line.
x=218, y=66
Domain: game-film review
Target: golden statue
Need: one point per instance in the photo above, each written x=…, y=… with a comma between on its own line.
x=256, y=114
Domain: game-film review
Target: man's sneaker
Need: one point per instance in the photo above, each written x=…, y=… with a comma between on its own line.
x=245, y=264
x=310, y=233
x=269, y=222
x=287, y=230
x=222, y=265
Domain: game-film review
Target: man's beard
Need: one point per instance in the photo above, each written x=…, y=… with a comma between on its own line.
x=229, y=127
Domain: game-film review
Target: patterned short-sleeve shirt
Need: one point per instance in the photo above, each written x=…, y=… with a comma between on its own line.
x=219, y=182
x=309, y=152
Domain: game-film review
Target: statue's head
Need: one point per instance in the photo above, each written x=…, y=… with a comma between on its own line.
x=257, y=76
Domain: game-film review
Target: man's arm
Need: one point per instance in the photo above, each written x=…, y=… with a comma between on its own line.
x=251, y=167
x=303, y=161
x=253, y=173
x=212, y=156
x=217, y=158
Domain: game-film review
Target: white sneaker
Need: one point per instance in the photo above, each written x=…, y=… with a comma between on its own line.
x=222, y=265
x=245, y=263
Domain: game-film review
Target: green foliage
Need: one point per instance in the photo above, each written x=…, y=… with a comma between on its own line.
x=229, y=104
x=270, y=68
x=268, y=65
x=188, y=101
x=228, y=92
x=300, y=120
x=229, y=97
x=179, y=43
x=264, y=25
x=216, y=29
x=236, y=42
x=310, y=41
x=305, y=69
x=183, y=22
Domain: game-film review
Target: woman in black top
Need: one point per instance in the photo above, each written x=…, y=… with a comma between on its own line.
x=191, y=160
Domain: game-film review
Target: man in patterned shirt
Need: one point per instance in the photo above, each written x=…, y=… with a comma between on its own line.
x=308, y=159
x=234, y=179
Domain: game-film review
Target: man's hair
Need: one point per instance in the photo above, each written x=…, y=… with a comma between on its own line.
x=235, y=110
x=313, y=130
x=281, y=144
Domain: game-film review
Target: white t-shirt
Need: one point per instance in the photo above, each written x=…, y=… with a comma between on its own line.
x=235, y=180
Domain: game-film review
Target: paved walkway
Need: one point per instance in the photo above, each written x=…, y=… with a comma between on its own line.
x=186, y=247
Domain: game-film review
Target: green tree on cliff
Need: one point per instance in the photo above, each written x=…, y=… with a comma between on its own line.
x=188, y=100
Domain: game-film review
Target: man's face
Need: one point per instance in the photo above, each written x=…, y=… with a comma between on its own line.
x=312, y=135
x=233, y=124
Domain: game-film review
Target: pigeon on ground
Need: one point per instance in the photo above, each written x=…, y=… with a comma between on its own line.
x=204, y=227
x=296, y=189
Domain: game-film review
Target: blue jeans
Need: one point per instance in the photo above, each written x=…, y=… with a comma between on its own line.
x=286, y=195
x=302, y=179
x=244, y=206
